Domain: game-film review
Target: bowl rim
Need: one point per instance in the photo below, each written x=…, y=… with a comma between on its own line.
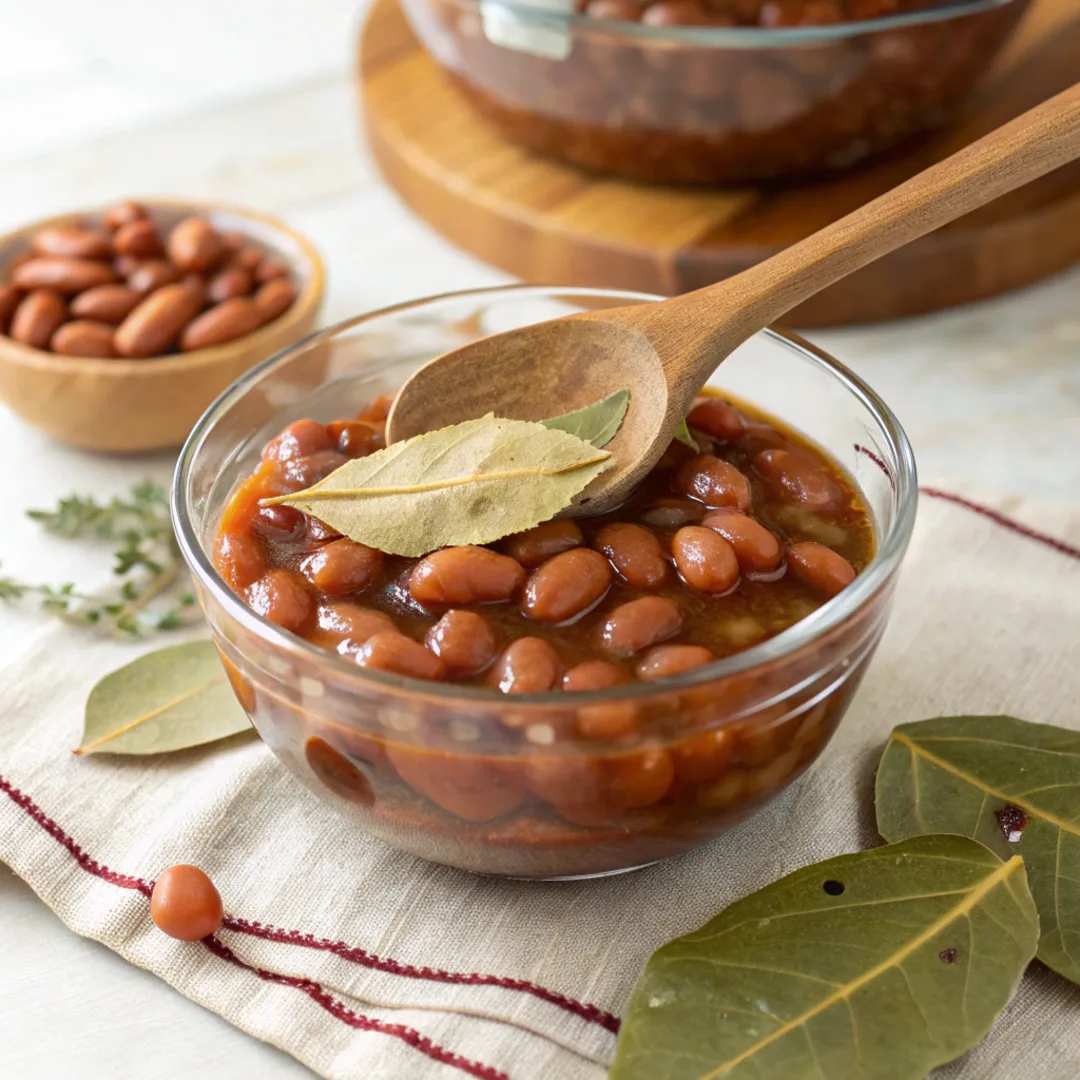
x=741, y=37
x=309, y=296
x=832, y=614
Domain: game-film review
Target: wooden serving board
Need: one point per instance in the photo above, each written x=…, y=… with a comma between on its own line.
x=550, y=223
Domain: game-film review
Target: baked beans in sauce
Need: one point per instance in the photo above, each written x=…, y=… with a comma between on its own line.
x=719, y=549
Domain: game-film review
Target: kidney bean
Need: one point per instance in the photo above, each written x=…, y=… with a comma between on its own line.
x=124, y=214
x=663, y=661
x=155, y=324
x=636, y=625
x=72, y=241
x=299, y=439
x=336, y=772
x=465, y=575
x=37, y=318
x=705, y=559
x=223, y=323
x=567, y=585
x=303, y=472
x=282, y=597
x=731, y=788
x=282, y=524
x=755, y=547
x=354, y=438
x=473, y=788
x=343, y=620
x=672, y=513
x=464, y=641
x=270, y=269
x=607, y=721
x=105, y=303
x=543, y=542
x=9, y=301
x=717, y=419
x=378, y=409
x=705, y=756
x=639, y=779
x=240, y=559
x=184, y=904
x=391, y=651
x=342, y=567
x=527, y=666
x=274, y=298
x=138, y=238
x=228, y=283
x=126, y=265
x=819, y=567
x=194, y=244
x=635, y=553
x=152, y=274
x=83, y=337
x=319, y=532
x=799, y=478
x=63, y=274
x=713, y=482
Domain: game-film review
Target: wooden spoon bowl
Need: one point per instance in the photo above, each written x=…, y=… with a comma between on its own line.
x=133, y=406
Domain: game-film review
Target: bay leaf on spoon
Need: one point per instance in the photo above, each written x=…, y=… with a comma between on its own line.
x=169, y=699
x=468, y=483
x=1012, y=785
x=596, y=423
x=875, y=966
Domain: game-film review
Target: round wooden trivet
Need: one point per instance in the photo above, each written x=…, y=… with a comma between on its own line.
x=550, y=223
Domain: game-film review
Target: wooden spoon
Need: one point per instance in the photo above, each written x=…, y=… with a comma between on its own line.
x=665, y=352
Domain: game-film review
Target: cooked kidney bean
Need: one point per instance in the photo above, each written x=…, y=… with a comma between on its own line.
x=798, y=477
x=282, y=597
x=819, y=567
x=566, y=585
x=184, y=904
x=717, y=419
x=537, y=545
x=528, y=666
x=343, y=620
x=607, y=721
x=240, y=559
x=713, y=482
x=666, y=660
x=705, y=756
x=282, y=524
x=465, y=575
x=641, y=778
x=705, y=559
x=319, y=532
x=342, y=567
x=354, y=438
x=299, y=439
x=302, y=472
x=464, y=641
x=635, y=553
x=672, y=513
x=637, y=624
x=755, y=547
x=391, y=651
x=473, y=788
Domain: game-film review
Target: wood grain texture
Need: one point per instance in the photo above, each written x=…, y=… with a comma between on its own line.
x=548, y=222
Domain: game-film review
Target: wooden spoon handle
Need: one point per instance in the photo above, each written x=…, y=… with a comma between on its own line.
x=1035, y=143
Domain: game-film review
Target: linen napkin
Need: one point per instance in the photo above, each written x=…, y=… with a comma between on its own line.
x=366, y=963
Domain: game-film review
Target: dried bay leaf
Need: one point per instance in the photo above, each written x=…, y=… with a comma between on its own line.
x=469, y=483
x=874, y=966
x=596, y=423
x=1012, y=785
x=170, y=699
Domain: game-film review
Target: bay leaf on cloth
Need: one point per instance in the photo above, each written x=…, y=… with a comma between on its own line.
x=469, y=483
x=376, y=965
x=1013, y=786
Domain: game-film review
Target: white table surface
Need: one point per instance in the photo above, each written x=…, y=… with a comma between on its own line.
x=990, y=394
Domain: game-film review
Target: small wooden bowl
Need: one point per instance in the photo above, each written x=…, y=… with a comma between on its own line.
x=132, y=406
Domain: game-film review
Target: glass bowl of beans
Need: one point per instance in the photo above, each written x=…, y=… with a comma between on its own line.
x=713, y=91
x=587, y=697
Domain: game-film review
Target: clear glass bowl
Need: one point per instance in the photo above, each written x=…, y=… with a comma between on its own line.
x=429, y=768
x=709, y=104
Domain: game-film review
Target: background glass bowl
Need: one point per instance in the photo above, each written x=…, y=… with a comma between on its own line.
x=710, y=104
x=431, y=768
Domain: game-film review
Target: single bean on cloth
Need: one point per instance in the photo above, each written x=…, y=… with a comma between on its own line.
x=361, y=961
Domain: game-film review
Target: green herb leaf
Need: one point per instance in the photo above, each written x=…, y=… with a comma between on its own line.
x=469, y=483
x=1012, y=785
x=880, y=965
x=166, y=700
x=596, y=424
x=682, y=433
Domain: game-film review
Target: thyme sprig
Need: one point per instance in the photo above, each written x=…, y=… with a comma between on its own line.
x=149, y=594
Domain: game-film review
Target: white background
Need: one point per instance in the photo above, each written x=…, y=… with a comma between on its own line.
x=250, y=101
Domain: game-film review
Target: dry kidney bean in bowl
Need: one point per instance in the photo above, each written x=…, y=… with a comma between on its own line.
x=713, y=91
x=584, y=698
